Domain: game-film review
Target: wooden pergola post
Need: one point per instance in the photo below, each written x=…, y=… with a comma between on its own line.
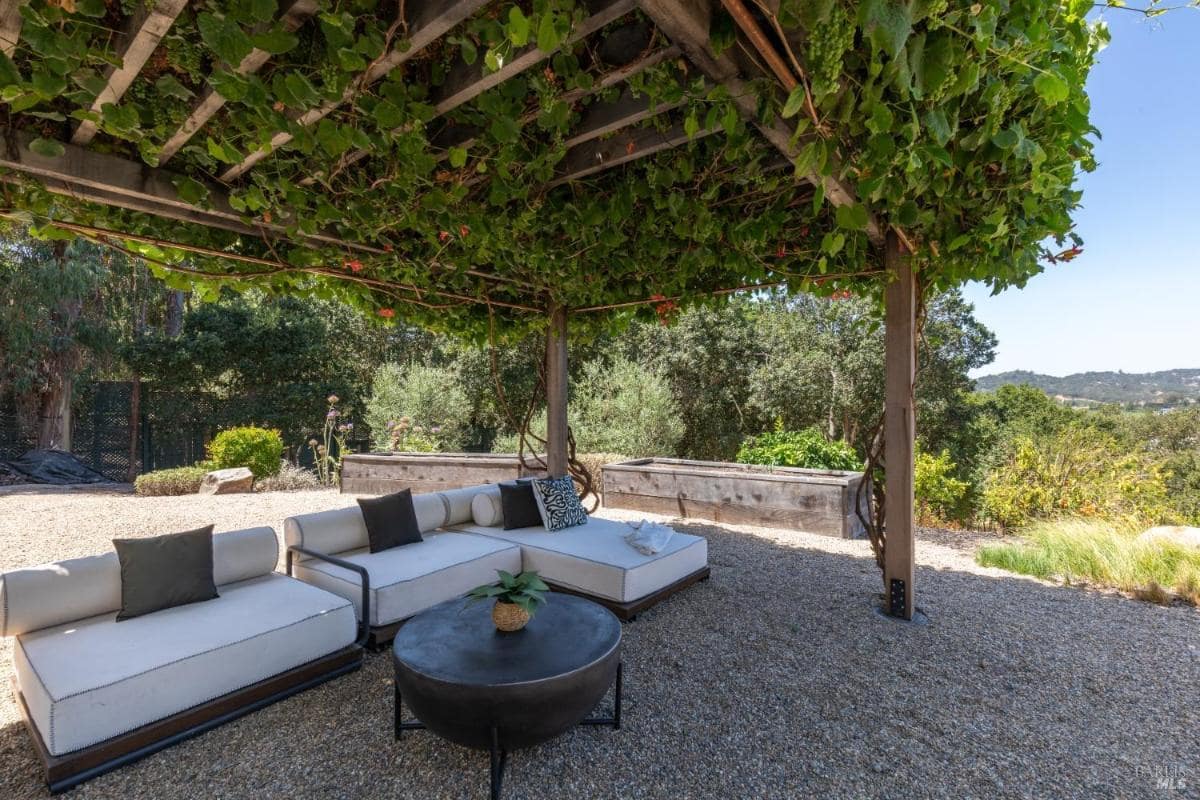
x=900, y=300
x=556, y=393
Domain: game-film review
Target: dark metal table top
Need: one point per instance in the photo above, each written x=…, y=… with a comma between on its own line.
x=456, y=642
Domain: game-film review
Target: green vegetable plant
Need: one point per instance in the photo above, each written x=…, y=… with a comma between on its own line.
x=808, y=449
x=526, y=590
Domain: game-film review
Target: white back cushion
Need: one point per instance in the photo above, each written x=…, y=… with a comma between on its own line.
x=65, y=591
x=343, y=529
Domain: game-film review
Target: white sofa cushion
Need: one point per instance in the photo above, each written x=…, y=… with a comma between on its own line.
x=93, y=679
x=595, y=558
x=409, y=579
x=79, y=588
x=342, y=529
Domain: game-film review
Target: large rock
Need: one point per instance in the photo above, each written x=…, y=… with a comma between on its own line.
x=228, y=481
x=1177, y=534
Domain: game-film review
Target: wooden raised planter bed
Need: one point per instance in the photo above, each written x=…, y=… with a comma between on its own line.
x=381, y=473
x=816, y=501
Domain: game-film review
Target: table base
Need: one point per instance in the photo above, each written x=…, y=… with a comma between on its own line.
x=499, y=756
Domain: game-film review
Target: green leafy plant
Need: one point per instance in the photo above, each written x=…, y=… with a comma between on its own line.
x=426, y=405
x=526, y=590
x=808, y=449
x=259, y=449
x=175, y=481
x=939, y=495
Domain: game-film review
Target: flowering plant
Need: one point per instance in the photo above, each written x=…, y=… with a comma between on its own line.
x=333, y=440
x=409, y=437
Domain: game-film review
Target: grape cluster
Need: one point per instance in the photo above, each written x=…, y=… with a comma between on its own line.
x=828, y=42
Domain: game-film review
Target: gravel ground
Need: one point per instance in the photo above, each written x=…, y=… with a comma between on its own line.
x=774, y=679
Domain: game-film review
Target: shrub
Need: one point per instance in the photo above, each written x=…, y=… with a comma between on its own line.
x=290, y=478
x=428, y=397
x=939, y=495
x=1077, y=472
x=257, y=448
x=808, y=449
x=624, y=407
x=1104, y=553
x=180, y=480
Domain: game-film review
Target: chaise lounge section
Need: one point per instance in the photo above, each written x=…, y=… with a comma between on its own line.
x=97, y=693
x=330, y=549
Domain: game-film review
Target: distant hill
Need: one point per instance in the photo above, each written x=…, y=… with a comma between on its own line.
x=1172, y=387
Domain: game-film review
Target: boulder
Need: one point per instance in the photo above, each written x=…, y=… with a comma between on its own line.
x=1178, y=534
x=227, y=481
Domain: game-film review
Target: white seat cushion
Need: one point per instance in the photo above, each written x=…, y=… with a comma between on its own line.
x=408, y=579
x=595, y=558
x=90, y=680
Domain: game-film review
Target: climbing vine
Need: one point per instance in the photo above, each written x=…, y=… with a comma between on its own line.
x=964, y=124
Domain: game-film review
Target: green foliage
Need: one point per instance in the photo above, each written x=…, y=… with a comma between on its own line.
x=426, y=397
x=180, y=480
x=1102, y=553
x=624, y=407
x=939, y=495
x=257, y=448
x=1078, y=471
x=808, y=449
x=964, y=123
x=526, y=590
x=252, y=359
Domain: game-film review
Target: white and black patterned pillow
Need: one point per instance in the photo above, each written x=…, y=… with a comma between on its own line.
x=558, y=504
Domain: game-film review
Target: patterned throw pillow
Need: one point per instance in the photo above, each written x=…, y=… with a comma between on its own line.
x=558, y=504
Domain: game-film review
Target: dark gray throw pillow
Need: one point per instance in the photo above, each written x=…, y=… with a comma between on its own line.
x=165, y=571
x=391, y=520
x=518, y=506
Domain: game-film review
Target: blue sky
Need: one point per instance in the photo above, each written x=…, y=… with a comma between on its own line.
x=1132, y=300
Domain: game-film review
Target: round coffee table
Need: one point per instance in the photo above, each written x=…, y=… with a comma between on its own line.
x=480, y=688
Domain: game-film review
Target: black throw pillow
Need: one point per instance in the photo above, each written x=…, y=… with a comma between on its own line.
x=391, y=520
x=518, y=506
x=165, y=571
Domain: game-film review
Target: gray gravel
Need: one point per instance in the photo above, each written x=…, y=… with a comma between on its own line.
x=775, y=679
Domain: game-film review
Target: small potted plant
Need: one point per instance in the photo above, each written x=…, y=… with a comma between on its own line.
x=517, y=598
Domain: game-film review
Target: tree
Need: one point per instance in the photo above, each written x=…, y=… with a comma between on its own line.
x=64, y=308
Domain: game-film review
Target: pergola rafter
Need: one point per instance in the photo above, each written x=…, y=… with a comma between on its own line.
x=10, y=26
x=143, y=32
x=296, y=15
x=427, y=22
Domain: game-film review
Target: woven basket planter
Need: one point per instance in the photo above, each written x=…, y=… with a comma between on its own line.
x=509, y=617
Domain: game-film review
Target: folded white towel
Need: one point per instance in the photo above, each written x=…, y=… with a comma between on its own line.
x=648, y=538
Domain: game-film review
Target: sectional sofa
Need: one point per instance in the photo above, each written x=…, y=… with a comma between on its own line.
x=464, y=544
x=97, y=693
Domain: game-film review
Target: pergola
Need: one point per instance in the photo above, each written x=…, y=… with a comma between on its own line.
x=321, y=132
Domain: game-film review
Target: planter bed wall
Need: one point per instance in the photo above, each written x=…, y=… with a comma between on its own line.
x=815, y=501
x=382, y=473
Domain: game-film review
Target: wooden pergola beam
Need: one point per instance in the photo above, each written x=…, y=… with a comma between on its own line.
x=10, y=26
x=212, y=101
x=467, y=81
x=628, y=145
x=686, y=23
x=610, y=78
x=605, y=118
x=428, y=22
x=115, y=181
x=557, y=427
x=146, y=28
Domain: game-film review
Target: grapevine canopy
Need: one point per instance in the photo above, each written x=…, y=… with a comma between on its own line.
x=468, y=164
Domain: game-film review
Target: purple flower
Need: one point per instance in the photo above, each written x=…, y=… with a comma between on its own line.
x=436, y=429
x=333, y=414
